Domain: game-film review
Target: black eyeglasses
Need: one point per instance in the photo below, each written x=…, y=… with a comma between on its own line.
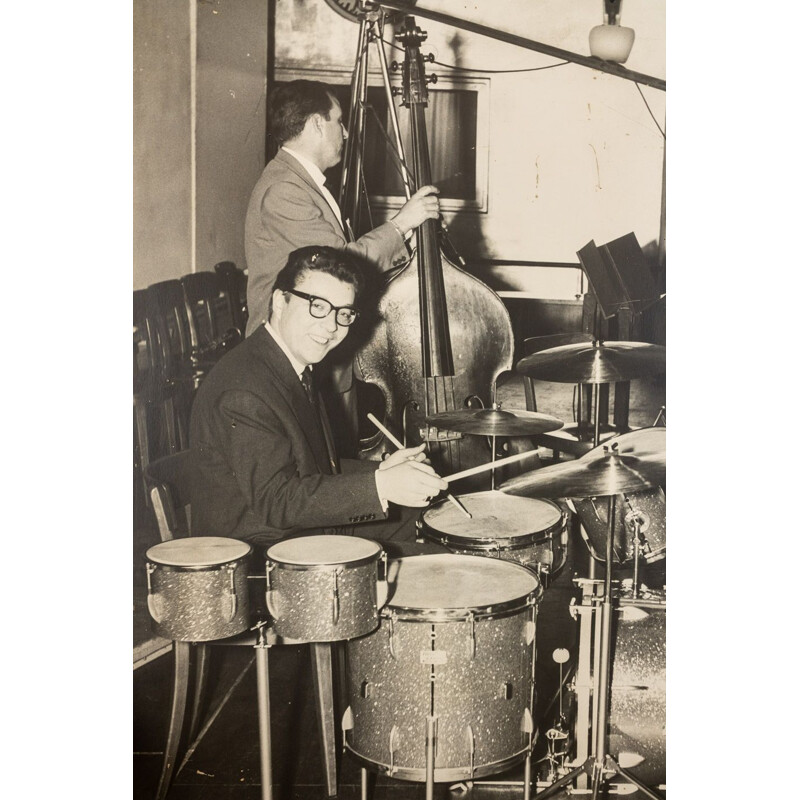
x=319, y=307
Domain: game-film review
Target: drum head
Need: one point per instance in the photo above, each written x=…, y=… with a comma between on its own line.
x=443, y=582
x=323, y=550
x=495, y=516
x=198, y=551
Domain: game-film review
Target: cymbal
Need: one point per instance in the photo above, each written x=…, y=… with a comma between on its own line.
x=604, y=474
x=595, y=362
x=645, y=443
x=495, y=422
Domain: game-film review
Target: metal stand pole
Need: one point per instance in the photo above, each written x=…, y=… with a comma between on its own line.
x=430, y=756
x=601, y=763
x=264, y=733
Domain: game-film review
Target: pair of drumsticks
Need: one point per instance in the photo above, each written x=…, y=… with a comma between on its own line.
x=456, y=476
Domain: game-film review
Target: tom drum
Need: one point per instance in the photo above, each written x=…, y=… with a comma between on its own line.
x=197, y=588
x=324, y=588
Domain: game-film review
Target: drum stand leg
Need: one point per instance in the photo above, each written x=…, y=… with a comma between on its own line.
x=180, y=689
x=601, y=766
x=264, y=732
x=322, y=670
x=430, y=755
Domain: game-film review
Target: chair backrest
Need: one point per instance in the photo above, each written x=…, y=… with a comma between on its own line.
x=168, y=480
x=535, y=344
x=166, y=309
x=236, y=281
x=210, y=311
x=145, y=369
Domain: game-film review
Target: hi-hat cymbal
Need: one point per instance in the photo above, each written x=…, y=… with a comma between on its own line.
x=604, y=474
x=595, y=362
x=495, y=422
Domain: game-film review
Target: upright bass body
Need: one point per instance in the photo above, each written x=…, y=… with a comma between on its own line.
x=442, y=336
x=482, y=348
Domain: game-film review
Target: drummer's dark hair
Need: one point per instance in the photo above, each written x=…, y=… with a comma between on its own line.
x=319, y=258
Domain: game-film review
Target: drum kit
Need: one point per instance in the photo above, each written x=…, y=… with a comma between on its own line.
x=440, y=648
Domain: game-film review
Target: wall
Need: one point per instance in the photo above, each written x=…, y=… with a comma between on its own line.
x=162, y=163
x=199, y=94
x=231, y=95
x=574, y=152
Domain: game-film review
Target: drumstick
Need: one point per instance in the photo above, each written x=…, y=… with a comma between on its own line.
x=489, y=465
x=397, y=443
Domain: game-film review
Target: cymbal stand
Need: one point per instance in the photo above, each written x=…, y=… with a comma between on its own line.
x=370, y=30
x=602, y=766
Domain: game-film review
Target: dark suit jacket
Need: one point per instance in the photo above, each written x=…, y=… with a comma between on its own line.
x=262, y=469
x=287, y=211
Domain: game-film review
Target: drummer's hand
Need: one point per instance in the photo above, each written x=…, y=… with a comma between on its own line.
x=406, y=454
x=408, y=483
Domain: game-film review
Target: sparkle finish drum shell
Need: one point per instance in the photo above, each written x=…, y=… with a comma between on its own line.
x=456, y=641
x=530, y=531
x=324, y=588
x=197, y=588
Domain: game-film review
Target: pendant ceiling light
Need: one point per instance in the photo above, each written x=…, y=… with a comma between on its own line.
x=610, y=41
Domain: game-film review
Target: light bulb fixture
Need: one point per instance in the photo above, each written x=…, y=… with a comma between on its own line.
x=610, y=41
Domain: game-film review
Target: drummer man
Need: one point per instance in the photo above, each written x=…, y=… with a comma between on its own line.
x=264, y=465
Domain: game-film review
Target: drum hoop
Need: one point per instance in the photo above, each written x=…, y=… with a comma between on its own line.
x=295, y=567
x=494, y=543
x=495, y=611
x=197, y=567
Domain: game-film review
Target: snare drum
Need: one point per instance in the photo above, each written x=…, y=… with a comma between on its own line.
x=197, y=588
x=456, y=643
x=324, y=588
x=527, y=530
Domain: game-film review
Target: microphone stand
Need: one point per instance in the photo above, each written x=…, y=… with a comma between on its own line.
x=602, y=766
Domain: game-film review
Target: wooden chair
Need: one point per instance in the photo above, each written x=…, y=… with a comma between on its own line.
x=171, y=344
x=236, y=282
x=169, y=479
x=212, y=324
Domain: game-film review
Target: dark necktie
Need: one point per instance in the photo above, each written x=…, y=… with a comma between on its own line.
x=305, y=379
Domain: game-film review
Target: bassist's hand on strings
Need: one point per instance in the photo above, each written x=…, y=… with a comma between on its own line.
x=422, y=205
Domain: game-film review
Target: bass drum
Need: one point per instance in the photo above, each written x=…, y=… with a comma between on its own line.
x=637, y=710
x=455, y=648
x=527, y=530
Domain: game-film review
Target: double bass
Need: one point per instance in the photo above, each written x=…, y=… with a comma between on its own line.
x=442, y=337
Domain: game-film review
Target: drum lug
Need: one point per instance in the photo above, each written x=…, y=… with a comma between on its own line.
x=336, y=573
x=392, y=649
x=348, y=721
x=153, y=605
x=394, y=736
x=231, y=592
x=530, y=632
x=471, y=748
x=382, y=585
x=473, y=645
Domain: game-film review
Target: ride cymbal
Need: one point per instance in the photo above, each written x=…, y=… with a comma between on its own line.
x=603, y=474
x=595, y=362
x=495, y=422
